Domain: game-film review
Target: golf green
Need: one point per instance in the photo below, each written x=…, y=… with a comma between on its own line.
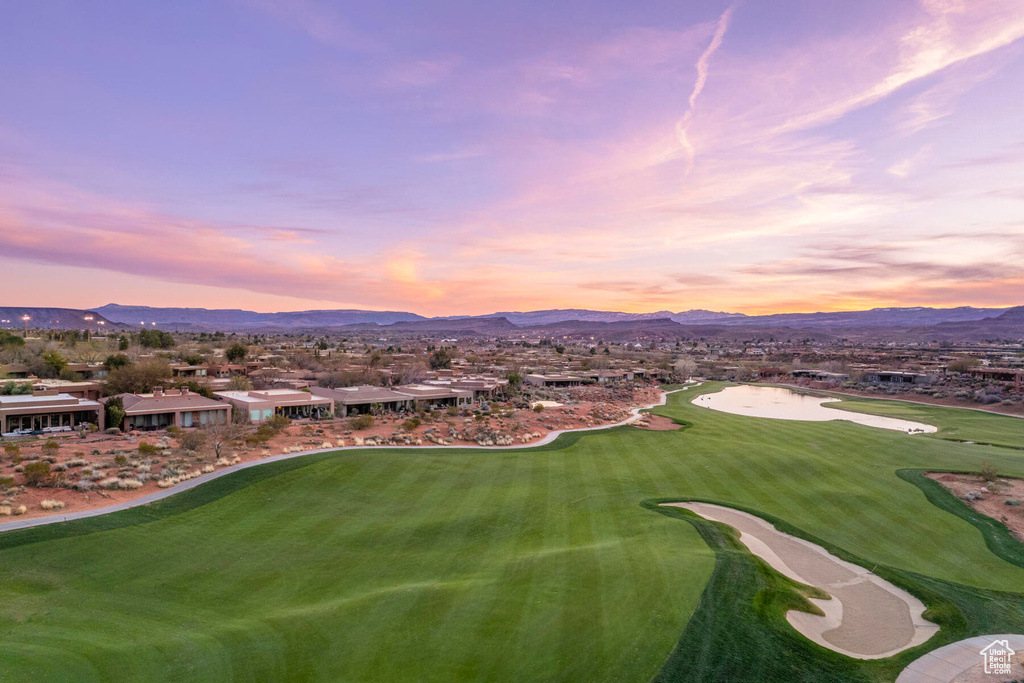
x=532, y=564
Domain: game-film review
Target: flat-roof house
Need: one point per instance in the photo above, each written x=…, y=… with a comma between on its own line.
x=1014, y=375
x=436, y=396
x=262, y=404
x=186, y=370
x=89, y=390
x=173, y=407
x=358, y=400
x=14, y=371
x=553, y=380
x=895, y=377
x=47, y=411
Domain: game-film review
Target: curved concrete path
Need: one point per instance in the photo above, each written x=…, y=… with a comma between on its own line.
x=946, y=663
x=867, y=617
x=198, y=481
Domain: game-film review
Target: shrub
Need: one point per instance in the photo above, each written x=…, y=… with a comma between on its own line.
x=37, y=473
x=13, y=451
x=129, y=484
x=411, y=424
x=120, y=459
x=538, y=408
x=988, y=471
x=192, y=440
x=112, y=431
x=278, y=422
x=6, y=483
x=50, y=448
x=148, y=449
x=52, y=504
x=361, y=422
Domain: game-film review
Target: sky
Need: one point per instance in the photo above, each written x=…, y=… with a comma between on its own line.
x=457, y=158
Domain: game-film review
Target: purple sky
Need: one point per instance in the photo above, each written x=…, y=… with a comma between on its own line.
x=466, y=157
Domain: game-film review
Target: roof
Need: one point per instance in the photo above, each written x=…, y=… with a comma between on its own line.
x=360, y=394
x=276, y=396
x=52, y=401
x=144, y=403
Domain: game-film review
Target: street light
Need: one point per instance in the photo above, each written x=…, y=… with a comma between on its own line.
x=26, y=318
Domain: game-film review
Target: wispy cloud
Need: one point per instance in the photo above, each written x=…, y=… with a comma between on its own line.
x=703, y=64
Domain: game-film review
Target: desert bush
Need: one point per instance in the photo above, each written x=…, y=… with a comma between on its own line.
x=361, y=422
x=12, y=450
x=52, y=504
x=538, y=408
x=20, y=510
x=6, y=483
x=278, y=422
x=129, y=484
x=51, y=448
x=411, y=424
x=988, y=471
x=148, y=449
x=120, y=459
x=191, y=440
x=37, y=473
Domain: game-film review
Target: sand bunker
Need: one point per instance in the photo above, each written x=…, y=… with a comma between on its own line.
x=783, y=404
x=867, y=617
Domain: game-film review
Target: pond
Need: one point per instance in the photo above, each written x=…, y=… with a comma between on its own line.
x=783, y=404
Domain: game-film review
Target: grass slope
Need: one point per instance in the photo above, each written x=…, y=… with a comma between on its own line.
x=954, y=423
x=538, y=564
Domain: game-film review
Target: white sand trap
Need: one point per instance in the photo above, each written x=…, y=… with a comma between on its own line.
x=782, y=404
x=548, y=404
x=867, y=617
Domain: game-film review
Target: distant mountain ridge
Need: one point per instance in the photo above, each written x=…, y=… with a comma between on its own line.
x=233, y=317
x=184, y=318
x=55, y=318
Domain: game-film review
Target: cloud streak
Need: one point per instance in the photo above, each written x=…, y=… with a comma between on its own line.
x=703, y=65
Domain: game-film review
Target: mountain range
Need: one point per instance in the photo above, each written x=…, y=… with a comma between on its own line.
x=226, y=319
x=893, y=324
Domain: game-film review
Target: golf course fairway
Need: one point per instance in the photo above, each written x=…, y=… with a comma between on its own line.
x=539, y=564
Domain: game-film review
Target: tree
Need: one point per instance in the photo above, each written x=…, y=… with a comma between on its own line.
x=118, y=360
x=440, y=359
x=12, y=388
x=114, y=412
x=222, y=434
x=8, y=339
x=139, y=378
x=239, y=383
x=56, y=362
x=963, y=364
x=236, y=352
x=684, y=368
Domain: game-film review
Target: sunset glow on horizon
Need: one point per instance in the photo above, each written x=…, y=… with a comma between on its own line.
x=465, y=158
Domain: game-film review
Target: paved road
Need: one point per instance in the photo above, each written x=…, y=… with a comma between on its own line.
x=198, y=481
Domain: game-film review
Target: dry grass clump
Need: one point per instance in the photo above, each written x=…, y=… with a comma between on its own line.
x=53, y=504
x=20, y=510
x=130, y=484
x=208, y=468
x=5, y=510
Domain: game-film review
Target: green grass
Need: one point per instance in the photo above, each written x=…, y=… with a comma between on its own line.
x=954, y=423
x=540, y=564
